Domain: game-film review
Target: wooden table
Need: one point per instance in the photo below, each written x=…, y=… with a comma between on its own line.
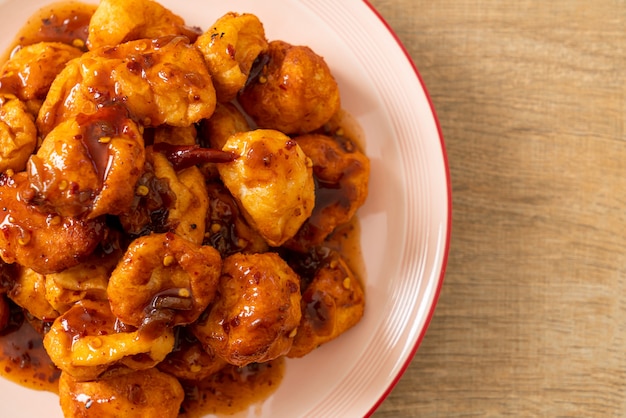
x=531, y=98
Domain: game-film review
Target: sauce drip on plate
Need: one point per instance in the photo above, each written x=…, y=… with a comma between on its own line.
x=22, y=356
x=232, y=389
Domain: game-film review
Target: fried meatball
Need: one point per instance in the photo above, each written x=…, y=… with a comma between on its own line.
x=175, y=135
x=167, y=200
x=230, y=47
x=87, y=280
x=118, y=21
x=89, y=164
x=44, y=242
x=125, y=394
x=88, y=339
x=61, y=298
x=160, y=81
x=332, y=303
x=342, y=173
x=164, y=279
x=256, y=312
x=187, y=213
x=295, y=92
x=272, y=180
x=30, y=71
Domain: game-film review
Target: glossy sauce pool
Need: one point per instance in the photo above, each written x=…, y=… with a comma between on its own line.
x=23, y=359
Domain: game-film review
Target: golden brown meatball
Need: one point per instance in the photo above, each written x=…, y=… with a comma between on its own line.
x=44, y=242
x=30, y=71
x=117, y=21
x=165, y=279
x=88, y=339
x=89, y=164
x=180, y=91
x=295, y=93
x=272, y=180
x=18, y=135
x=342, y=177
x=230, y=47
x=160, y=81
x=255, y=316
x=331, y=304
x=125, y=394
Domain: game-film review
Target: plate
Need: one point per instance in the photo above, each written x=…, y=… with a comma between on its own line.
x=405, y=223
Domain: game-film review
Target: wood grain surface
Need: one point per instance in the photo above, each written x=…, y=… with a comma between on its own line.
x=531, y=98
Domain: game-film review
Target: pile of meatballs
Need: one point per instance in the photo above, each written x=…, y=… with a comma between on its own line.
x=162, y=183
